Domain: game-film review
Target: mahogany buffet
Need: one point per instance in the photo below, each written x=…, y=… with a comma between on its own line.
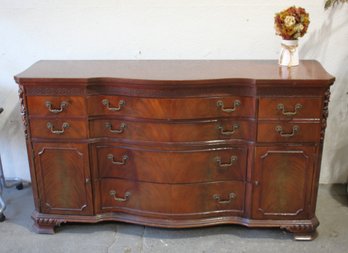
x=175, y=143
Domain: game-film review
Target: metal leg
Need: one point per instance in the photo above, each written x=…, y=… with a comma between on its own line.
x=13, y=181
x=10, y=182
x=7, y=183
x=2, y=209
x=2, y=179
x=2, y=202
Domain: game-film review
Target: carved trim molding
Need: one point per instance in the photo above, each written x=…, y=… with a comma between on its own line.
x=300, y=228
x=56, y=91
x=66, y=209
x=48, y=221
x=297, y=212
x=23, y=110
x=325, y=114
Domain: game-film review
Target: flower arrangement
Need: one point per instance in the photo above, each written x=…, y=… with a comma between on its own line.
x=291, y=23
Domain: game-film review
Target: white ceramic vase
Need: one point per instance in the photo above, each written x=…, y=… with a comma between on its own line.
x=289, y=53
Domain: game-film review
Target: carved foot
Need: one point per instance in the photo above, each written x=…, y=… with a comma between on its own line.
x=304, y=232
x=45, y=225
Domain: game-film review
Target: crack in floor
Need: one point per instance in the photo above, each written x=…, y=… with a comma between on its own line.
x=114, y=240
x=142, y=240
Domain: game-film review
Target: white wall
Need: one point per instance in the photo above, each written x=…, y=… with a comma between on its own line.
x=31, y=30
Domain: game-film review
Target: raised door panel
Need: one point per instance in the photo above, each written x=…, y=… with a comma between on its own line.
x=283, y=182
x=63, y=178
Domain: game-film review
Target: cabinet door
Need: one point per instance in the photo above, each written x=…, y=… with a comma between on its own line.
x=283, y=179
x=63, y=178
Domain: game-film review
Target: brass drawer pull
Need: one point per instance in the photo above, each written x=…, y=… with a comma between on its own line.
x=63, y=105
x=106, y=102
x=232, y=161
x=281, y=107
x=234, y=128
x=125, y=198
x=108, y=125
x=231, y=197
x=295, y=129
x=51, y=127
x=236, y=104
x=124, y=159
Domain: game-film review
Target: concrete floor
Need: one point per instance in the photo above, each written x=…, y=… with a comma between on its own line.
x=16, y=234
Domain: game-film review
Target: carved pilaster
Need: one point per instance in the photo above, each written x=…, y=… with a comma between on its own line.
x=23, y=110
x=325, y=114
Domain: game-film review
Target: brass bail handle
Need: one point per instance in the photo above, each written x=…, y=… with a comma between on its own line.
x=295, y=130
x=235, y=127
x=220, y=104
x=233, y=159
x=297, y=107
x=123, y=162
x=231, y=197
x=51, y=128
x=106, y=103
x=63, y=105
x=113, y=194
x=108, y=125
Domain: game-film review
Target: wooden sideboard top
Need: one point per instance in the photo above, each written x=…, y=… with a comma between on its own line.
x=307, y=72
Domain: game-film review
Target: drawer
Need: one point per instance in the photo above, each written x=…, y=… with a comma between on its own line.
x=288, y=132
x=173, y=108
x=285, y=107
x=56, y=106
x=58, y=128
x=187, y=166
x=118, y=195
x=183, y=131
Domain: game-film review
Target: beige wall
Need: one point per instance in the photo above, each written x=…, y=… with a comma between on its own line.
x=165, y=29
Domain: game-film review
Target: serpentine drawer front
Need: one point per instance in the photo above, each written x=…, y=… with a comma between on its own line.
x=171, y=108
x=201, y=199
x=181, y=166
x=178, y=131
x=175, y=143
